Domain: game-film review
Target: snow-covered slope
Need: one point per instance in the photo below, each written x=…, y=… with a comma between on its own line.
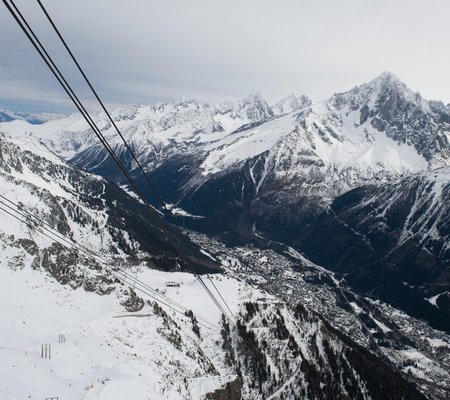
x=107, y=353
x=49, y=288
x=85, y=207
x=275, y=350
x=309, y=149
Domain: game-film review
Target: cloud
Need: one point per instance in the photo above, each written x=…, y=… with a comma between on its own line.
x=147, y=50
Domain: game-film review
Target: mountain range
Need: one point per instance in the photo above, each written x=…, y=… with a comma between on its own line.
x=358, y=184
x=287, y=173
x=53, y=288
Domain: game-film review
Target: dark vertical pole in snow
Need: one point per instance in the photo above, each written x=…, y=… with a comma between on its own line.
x=46, y=350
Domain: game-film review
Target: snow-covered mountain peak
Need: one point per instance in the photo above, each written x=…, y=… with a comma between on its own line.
x=387, y=76
x=386, y=104
x=125, y=113
x=254, y=97
x=387, y=84
x=253, y=107
x=374, y=93
x=233, y=114
x=291, y=103
x=182, y=103
x=257, y=108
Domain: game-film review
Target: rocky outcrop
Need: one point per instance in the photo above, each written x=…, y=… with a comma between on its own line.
x=231, y=391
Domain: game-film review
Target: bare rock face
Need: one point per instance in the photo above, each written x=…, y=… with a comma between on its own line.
x=231, y=391
x=130, y=300
x=69, y=268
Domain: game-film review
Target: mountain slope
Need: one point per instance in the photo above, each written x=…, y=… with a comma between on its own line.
x=343, y=141
x=392, y=240
x=276, y=350
x=88, y=209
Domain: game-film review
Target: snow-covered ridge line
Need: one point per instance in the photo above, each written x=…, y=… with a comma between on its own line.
x=376, y=131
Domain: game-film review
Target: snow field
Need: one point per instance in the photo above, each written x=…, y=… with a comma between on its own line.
x=108, y=353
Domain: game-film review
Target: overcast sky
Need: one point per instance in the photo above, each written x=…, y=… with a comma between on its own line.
x=144, y=51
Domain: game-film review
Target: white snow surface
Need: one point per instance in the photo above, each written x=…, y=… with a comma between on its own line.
x=108, y=354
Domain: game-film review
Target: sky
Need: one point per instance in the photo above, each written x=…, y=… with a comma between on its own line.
x=145, y=51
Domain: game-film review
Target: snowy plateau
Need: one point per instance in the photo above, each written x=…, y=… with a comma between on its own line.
x=324, y=226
